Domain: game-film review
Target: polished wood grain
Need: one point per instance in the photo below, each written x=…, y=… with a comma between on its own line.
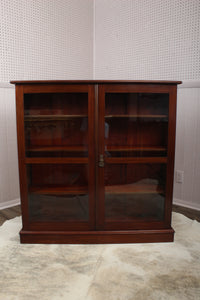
x=21, y=154
x=93, y=82
x=100, y=200
x=56, y=160
x=171, y=153
x=82, y=148
x=135, y=160
x=139, y=133
x=97, y=237
x=139, y=87
x=92, y=153
x=41, y=118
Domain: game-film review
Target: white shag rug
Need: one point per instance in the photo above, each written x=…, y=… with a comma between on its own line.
x=101, y=272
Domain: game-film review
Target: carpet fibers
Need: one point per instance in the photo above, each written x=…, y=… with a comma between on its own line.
x=101, y=272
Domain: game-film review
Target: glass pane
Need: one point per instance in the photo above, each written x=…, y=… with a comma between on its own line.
x=136, y=124
x=134, y=192
x=56, y=125
x=58, y=192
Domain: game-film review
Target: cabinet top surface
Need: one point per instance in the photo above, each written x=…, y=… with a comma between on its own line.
x=94, y=82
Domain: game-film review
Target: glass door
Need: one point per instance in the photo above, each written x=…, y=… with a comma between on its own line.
x=59, y=151
x=133, y=149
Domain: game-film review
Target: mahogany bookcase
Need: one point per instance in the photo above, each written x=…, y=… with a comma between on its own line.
x=96, y=160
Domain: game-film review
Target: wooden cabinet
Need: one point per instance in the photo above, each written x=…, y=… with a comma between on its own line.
x=96, y=160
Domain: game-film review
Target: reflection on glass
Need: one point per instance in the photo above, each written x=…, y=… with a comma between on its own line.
x=62, y=208
x=146, y=207
x=134, y=192
x=58, y=192
x=136, y=125
x=56, y=127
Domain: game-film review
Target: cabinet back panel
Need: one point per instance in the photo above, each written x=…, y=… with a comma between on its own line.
x=136, y=103
x=47, y=175
x=56, y=124
x=50, y=103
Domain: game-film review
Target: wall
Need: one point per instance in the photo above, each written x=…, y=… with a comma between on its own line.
x=43, y=39
x=46, y=39
x=188, y=145
x=9, y=186
x=145, y=39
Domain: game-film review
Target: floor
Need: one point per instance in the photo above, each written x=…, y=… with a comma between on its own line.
x=151, y=271
x=9, y=213
x=12, y=212
x=190, y=213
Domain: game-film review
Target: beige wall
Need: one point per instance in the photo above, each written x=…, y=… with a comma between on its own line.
x=187, y=157
x=9, y=181
x=147, y=39
x=46, y=39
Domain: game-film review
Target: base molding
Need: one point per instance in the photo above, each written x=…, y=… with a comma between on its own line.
x=182, y=203
x=97, y=237
x=10, y=203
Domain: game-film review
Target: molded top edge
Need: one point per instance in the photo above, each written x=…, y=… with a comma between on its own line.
x=94, y=82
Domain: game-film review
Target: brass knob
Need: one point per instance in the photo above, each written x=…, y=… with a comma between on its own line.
x=101, y=161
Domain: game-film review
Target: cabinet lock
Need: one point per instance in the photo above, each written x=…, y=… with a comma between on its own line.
x=101, y=161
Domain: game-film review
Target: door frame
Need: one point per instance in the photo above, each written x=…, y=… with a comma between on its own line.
x=171, y=89
x=22, y=89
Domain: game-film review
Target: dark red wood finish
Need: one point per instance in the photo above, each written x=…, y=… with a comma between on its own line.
x=24, y=161
x=97, y=229
x=97, y=237
x=50, y=82
x=171, y=153
x=116, y=224
x=21, y=155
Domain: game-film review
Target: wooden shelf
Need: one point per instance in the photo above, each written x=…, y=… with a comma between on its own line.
x=135, y=148
x=57, y=148
x=134, y=189
x=112, y=189
x=136, y=116
x=36, y=118
x=83, y=148
x=135, y=160
x=39, y=118
x=84, y=160
x=79, y=190
x=56, y=160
